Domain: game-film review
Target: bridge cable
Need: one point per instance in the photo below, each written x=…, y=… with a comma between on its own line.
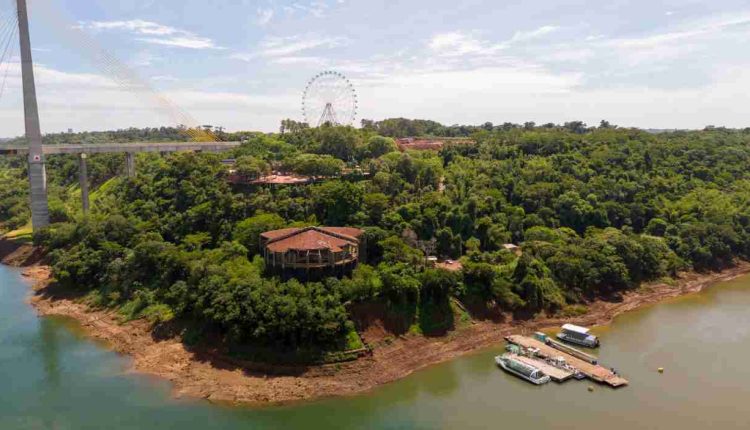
x=7, y=67
x=8, y=34
x=122, y=75
x=8, y=26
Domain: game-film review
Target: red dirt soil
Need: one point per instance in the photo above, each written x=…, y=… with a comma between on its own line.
x=17, y=254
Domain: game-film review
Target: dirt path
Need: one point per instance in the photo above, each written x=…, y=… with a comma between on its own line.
x=208, y=375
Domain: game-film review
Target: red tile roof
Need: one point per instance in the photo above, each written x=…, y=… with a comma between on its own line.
x=312, y=238
x=273, y=234
x=346, y=231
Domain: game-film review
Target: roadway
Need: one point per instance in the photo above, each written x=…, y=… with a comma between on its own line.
x=132, y=147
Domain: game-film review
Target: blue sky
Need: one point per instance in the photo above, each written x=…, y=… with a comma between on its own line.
x=243, y=64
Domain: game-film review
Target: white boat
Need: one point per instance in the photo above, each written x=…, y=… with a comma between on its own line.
x=578, y=335
x=510, y=364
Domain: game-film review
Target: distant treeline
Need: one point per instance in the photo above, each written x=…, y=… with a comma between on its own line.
x=161, y=134
x=403, y=127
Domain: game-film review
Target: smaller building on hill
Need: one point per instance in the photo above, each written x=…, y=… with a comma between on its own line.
x=429, y=144
x=312, y=252
x=513, y=248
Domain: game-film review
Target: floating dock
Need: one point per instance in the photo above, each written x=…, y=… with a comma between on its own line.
x=572, y=351
x=592, y=371
x=555, y=373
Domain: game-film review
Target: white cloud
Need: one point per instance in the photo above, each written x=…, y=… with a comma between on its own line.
x=135, y=26
x=192, y=42
x=518, y=80
x=469, y=96
x=521, y=36
x=689, y=30
x=154, y=33
x=679, y=42
x=578, y=55
x=50, y=78
x=142, y=59
x=499, y=95
x=275, y=47
x=483, y=80
x=457, y=44
x=305, y=8
x=165, y=78
x=264, y=16
x=308, y=61
x=685, y=73
x=314, y=8
x=655, y=40
x=86, y=101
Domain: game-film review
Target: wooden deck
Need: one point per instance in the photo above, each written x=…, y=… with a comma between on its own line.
x=557, y=374
x=592, y=371
x=572, y=351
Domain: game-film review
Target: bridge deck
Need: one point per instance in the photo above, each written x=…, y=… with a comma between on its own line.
x=100, y=148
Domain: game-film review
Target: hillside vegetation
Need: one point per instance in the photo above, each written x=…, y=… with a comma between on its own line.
x=597, y=211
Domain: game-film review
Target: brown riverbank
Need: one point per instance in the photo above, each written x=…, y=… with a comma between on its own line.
x=208, y=375
x=19, y=254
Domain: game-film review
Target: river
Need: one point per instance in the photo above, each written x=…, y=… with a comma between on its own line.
x=51, y=377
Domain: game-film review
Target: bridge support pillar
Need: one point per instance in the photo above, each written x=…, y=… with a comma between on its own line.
x=38, y=186
x=84, y=181
x=130, y=164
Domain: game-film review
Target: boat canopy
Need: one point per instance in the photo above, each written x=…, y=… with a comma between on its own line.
x=575, y=329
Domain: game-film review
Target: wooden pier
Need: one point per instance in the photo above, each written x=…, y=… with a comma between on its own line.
x=572, y=351
x=555, y=373
x=592, y=371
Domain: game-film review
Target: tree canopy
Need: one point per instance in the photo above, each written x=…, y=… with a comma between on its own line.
x=595, y=210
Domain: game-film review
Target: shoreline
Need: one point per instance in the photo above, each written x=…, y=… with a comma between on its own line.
x=216, y=378
x=19, y=254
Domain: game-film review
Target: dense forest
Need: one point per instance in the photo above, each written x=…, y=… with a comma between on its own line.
x=596, y=210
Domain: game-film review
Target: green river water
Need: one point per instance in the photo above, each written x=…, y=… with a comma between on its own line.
x=53, y=378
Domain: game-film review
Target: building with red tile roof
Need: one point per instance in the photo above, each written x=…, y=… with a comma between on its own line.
x=311, y=249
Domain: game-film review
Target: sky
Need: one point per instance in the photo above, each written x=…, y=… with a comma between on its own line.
x=243, y=65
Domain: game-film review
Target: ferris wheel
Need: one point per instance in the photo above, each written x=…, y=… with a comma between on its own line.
x=329, y=97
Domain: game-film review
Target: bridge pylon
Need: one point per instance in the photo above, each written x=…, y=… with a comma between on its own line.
x=37, y=169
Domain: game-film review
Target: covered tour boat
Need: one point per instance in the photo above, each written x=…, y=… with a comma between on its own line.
x=511, y=364
x=578, y=335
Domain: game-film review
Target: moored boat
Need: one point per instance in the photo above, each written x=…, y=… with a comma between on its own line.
x=511, y=364
x=578, y=335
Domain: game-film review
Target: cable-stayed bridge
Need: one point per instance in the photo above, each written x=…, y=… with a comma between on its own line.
x=130, y=149
x=37, y=151
x=127, y=147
